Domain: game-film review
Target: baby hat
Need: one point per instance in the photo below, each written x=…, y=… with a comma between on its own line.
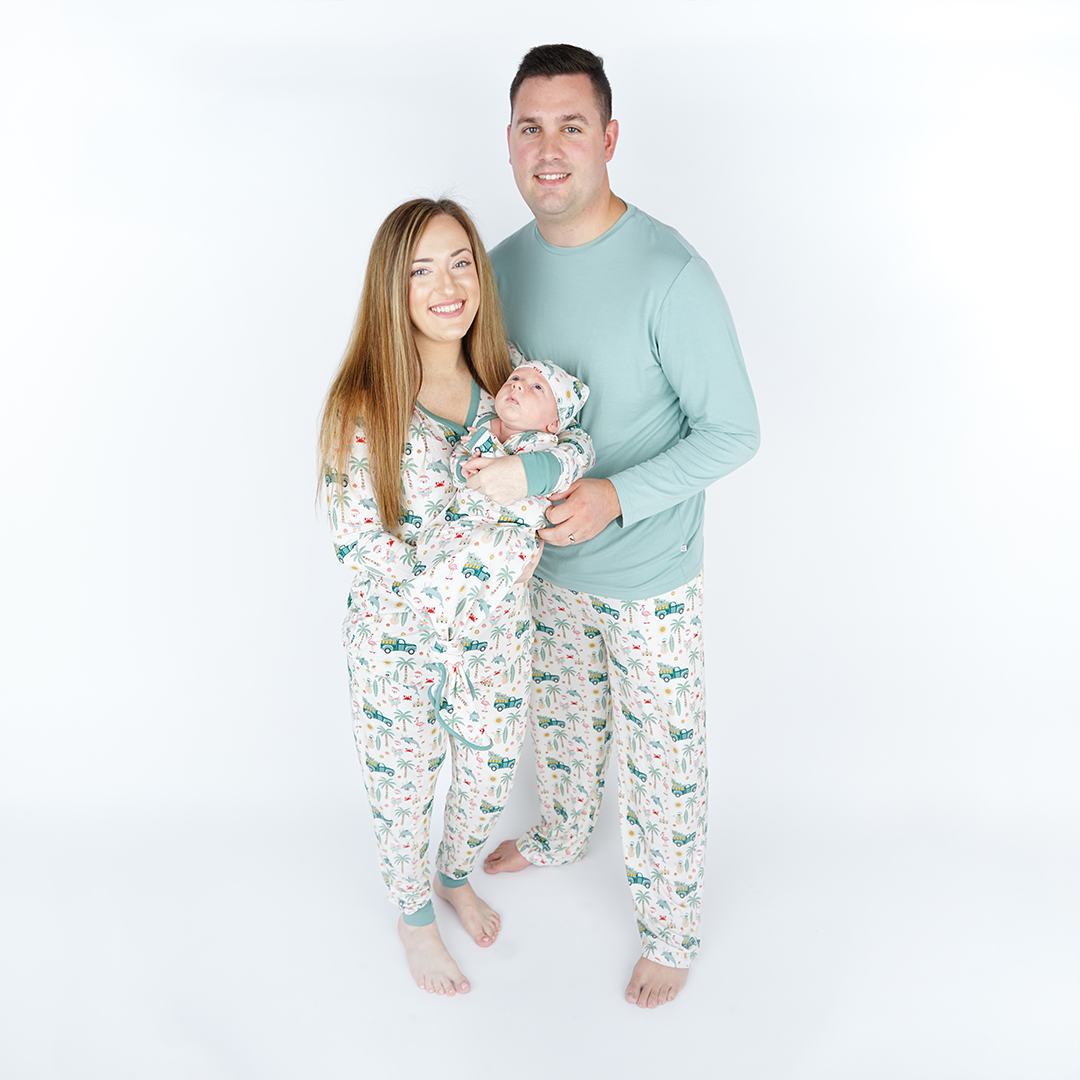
x=570, y=393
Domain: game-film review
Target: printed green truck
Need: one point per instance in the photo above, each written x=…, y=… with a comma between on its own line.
x=377, y=766
x=373, y=714
x=397, y=644
x=474, y=567
x=667, y=672
x=668, y=608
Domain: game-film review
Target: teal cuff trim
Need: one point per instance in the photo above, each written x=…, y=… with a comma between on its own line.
x=424, y=917
x=541, y=471
x=450, y=882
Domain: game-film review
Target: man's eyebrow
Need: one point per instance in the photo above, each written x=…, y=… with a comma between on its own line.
x=559, y=119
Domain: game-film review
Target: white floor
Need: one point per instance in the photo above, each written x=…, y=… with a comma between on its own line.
x=261, y=947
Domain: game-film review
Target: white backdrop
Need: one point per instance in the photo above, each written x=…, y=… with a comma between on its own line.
x=887, y=194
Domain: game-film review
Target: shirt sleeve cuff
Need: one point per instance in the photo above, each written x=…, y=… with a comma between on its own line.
x=541, y=471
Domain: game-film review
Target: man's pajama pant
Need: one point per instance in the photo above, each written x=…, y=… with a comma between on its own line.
x=629, y=674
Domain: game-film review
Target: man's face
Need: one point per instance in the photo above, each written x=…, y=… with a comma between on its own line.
x=559, y=148
x=525, y=402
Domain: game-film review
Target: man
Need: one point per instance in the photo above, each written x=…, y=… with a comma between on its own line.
x=624, y=303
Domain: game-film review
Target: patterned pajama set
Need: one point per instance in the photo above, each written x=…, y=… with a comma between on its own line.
x=628, y=673
x=395, y=657
x=618, y=671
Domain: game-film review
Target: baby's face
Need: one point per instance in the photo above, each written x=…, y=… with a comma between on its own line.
x=525, y=402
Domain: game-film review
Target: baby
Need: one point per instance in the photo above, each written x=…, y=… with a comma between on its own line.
x=484, y=548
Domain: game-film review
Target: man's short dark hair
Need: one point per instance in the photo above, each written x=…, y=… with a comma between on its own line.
x=548, y=61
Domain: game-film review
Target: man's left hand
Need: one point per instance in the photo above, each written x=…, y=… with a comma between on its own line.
x=588, y=507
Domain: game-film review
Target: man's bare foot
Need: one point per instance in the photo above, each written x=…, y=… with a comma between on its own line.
x=653, y=984
x=505, y=859
x=431, y=965
x=477, y=918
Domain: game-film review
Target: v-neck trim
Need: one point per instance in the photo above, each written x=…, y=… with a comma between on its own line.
x=470, y=419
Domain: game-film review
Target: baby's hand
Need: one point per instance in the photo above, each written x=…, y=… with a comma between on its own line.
x=470, y=468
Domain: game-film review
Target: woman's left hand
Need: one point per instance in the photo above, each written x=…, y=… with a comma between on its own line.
x=502, y=479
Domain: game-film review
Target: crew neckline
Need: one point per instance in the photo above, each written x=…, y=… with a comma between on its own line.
x=556, y=249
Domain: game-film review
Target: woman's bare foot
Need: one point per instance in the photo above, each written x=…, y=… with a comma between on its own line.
x=431, y=965
x=653, y=984
x=477, y=918
x=505, y=859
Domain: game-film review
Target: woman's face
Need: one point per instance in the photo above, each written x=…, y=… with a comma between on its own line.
x=444, y=288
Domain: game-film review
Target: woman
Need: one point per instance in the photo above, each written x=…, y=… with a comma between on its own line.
x=426, y=355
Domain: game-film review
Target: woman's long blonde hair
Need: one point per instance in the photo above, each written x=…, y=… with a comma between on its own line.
x=379, y=377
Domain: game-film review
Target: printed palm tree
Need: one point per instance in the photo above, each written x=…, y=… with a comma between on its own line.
x=401, y=859
x=642, y=897
x=651, y=827
x=677, y=625
x=384, y=782
x=654, y=770
x=648, y=948
x=557, y=737
x=340, y=499
x=561, y=622
x=686, y=757
x=635, y=664
x=384, y=828
x=405, y=766
x=402, y=668
x=403, y=813
x=693, y=901
x=507, y=575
